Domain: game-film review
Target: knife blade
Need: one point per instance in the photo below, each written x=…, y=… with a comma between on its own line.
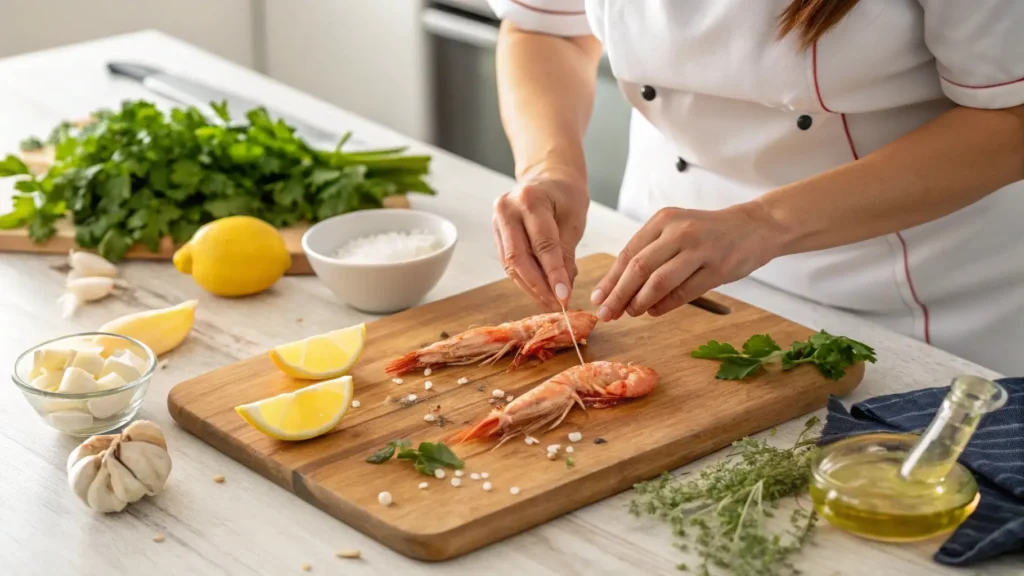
x=194, y=93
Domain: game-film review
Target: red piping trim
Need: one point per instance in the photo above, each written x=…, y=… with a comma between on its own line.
x=853, y=151
x=522, y=4
x=969, y=87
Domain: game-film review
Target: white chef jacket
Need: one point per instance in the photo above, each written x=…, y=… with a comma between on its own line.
x=724, y=112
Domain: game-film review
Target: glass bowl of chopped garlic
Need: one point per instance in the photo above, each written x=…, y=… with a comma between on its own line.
x=85, y=384
x=383, y=260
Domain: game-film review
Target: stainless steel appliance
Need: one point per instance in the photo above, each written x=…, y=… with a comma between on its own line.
x=463, y=34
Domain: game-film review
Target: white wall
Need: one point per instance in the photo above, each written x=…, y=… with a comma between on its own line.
x=367, y=56
x=224, y=27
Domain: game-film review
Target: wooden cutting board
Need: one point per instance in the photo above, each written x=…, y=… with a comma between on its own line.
x=688, y=415
x=64, y=240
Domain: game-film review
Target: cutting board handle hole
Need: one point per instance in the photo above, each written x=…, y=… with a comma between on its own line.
x=706, y=304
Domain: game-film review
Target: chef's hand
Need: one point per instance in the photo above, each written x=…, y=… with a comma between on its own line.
x=679, y=255
x=536, y=228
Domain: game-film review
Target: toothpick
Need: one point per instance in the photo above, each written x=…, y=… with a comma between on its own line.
x=573, y=336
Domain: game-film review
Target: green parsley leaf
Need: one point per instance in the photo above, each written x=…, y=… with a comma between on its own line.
x=24, y=210
x=30, y=143
x=221, y=109
x=12, y=166
x=738, y=368
x=441, y=454
x=385, y=453
x=427, y=458
x=714, y=350
x=759, y=346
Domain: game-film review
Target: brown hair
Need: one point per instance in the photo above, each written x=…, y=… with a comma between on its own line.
x=812, y=18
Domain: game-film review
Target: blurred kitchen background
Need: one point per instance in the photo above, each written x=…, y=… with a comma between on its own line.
x=423, y=68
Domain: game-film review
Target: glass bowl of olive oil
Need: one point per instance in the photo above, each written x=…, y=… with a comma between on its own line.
x=856, y=486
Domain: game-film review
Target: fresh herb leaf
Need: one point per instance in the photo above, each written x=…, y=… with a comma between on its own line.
x=12, y=166
x=833, y=355
x=385, y=453
x=186, y=170
x=721, y=513
x=427, y=458
x=24, y=211
x=759, y=346
x=714, y=350
x=738, y=368
x=31, y=143
x=569, y=462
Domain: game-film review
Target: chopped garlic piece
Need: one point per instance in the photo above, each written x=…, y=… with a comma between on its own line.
x=553, y=448
x=91, y=362
x=575, y=436
x=463, y=380
x=77, y=381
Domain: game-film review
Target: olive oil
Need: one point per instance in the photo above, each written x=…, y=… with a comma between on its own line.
x=906, y=487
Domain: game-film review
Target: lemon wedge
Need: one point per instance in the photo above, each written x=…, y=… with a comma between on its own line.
x=325, y=356
x=303, y=414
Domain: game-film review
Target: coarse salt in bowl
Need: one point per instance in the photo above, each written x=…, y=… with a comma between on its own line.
x=381, y=260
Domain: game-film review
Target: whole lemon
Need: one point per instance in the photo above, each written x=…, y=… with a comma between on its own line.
x=234, y=256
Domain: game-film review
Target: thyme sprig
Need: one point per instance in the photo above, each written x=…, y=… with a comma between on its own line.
x=723, y=513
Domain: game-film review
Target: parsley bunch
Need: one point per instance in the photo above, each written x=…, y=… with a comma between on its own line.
x=427, y=458
x=723, y=513
x=138, y=175
x=831, y=354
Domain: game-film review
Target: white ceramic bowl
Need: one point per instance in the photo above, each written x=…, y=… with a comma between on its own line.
x=378, y=288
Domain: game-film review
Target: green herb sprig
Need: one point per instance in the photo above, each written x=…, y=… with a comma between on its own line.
x=427, y=458
x=721, y=514
x=831, y=354
x=137, y=175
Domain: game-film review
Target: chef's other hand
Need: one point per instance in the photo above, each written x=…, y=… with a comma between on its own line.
x=537, y=226
x=679, y=255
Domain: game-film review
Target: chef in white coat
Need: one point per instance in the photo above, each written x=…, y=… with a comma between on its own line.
x=863, y=154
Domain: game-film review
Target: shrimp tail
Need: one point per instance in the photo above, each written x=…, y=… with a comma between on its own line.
x=403, y=364
x=489, y=426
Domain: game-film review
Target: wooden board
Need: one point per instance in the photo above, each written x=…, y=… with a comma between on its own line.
x=64, y=240
x=688, y=415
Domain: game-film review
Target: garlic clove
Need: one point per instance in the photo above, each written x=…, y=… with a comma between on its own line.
x=111, y=381
x=81, y=290
x=122, y=480
x=50, y=405
x=77, y=381
x=82, y=473
x=147, y=463
x=91, y=362
x=120, y=367
x=100, y=495
x=86, y=264
x=107, y=406
x=145, y=431
x=49, y=380
x=70, y=420
x=49, y=359
x=91, y=447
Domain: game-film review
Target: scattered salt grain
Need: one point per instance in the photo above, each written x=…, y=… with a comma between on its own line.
x=508, y=398
x=514, y=490
x=423, y=485
x=474, y=476
x=554, y=448
x=429, y=417
x=384, y=498
x=552, y=456
x=428, y=385
x=463, y=380
x=397, y=380
x=497, y=393
x=389, y=247
x=439, y=473
x=412, y=397
x=426, y=372
x=355, y=403
x=487, y=486
x=569, y=449
x=530, y=440
x=575, y=436
x=456, y=482
x=485, y=475
x=458, y=473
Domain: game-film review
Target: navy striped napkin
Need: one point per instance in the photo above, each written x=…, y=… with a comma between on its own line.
x=995, y=455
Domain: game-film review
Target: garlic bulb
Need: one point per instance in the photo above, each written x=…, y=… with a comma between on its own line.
x=87, y=265
x=109, y=472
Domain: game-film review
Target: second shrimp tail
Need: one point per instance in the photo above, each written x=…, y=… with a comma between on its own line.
x=403, y=364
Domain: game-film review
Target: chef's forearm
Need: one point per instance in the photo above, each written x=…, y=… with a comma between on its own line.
x=954, y=160
x=546, y=91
